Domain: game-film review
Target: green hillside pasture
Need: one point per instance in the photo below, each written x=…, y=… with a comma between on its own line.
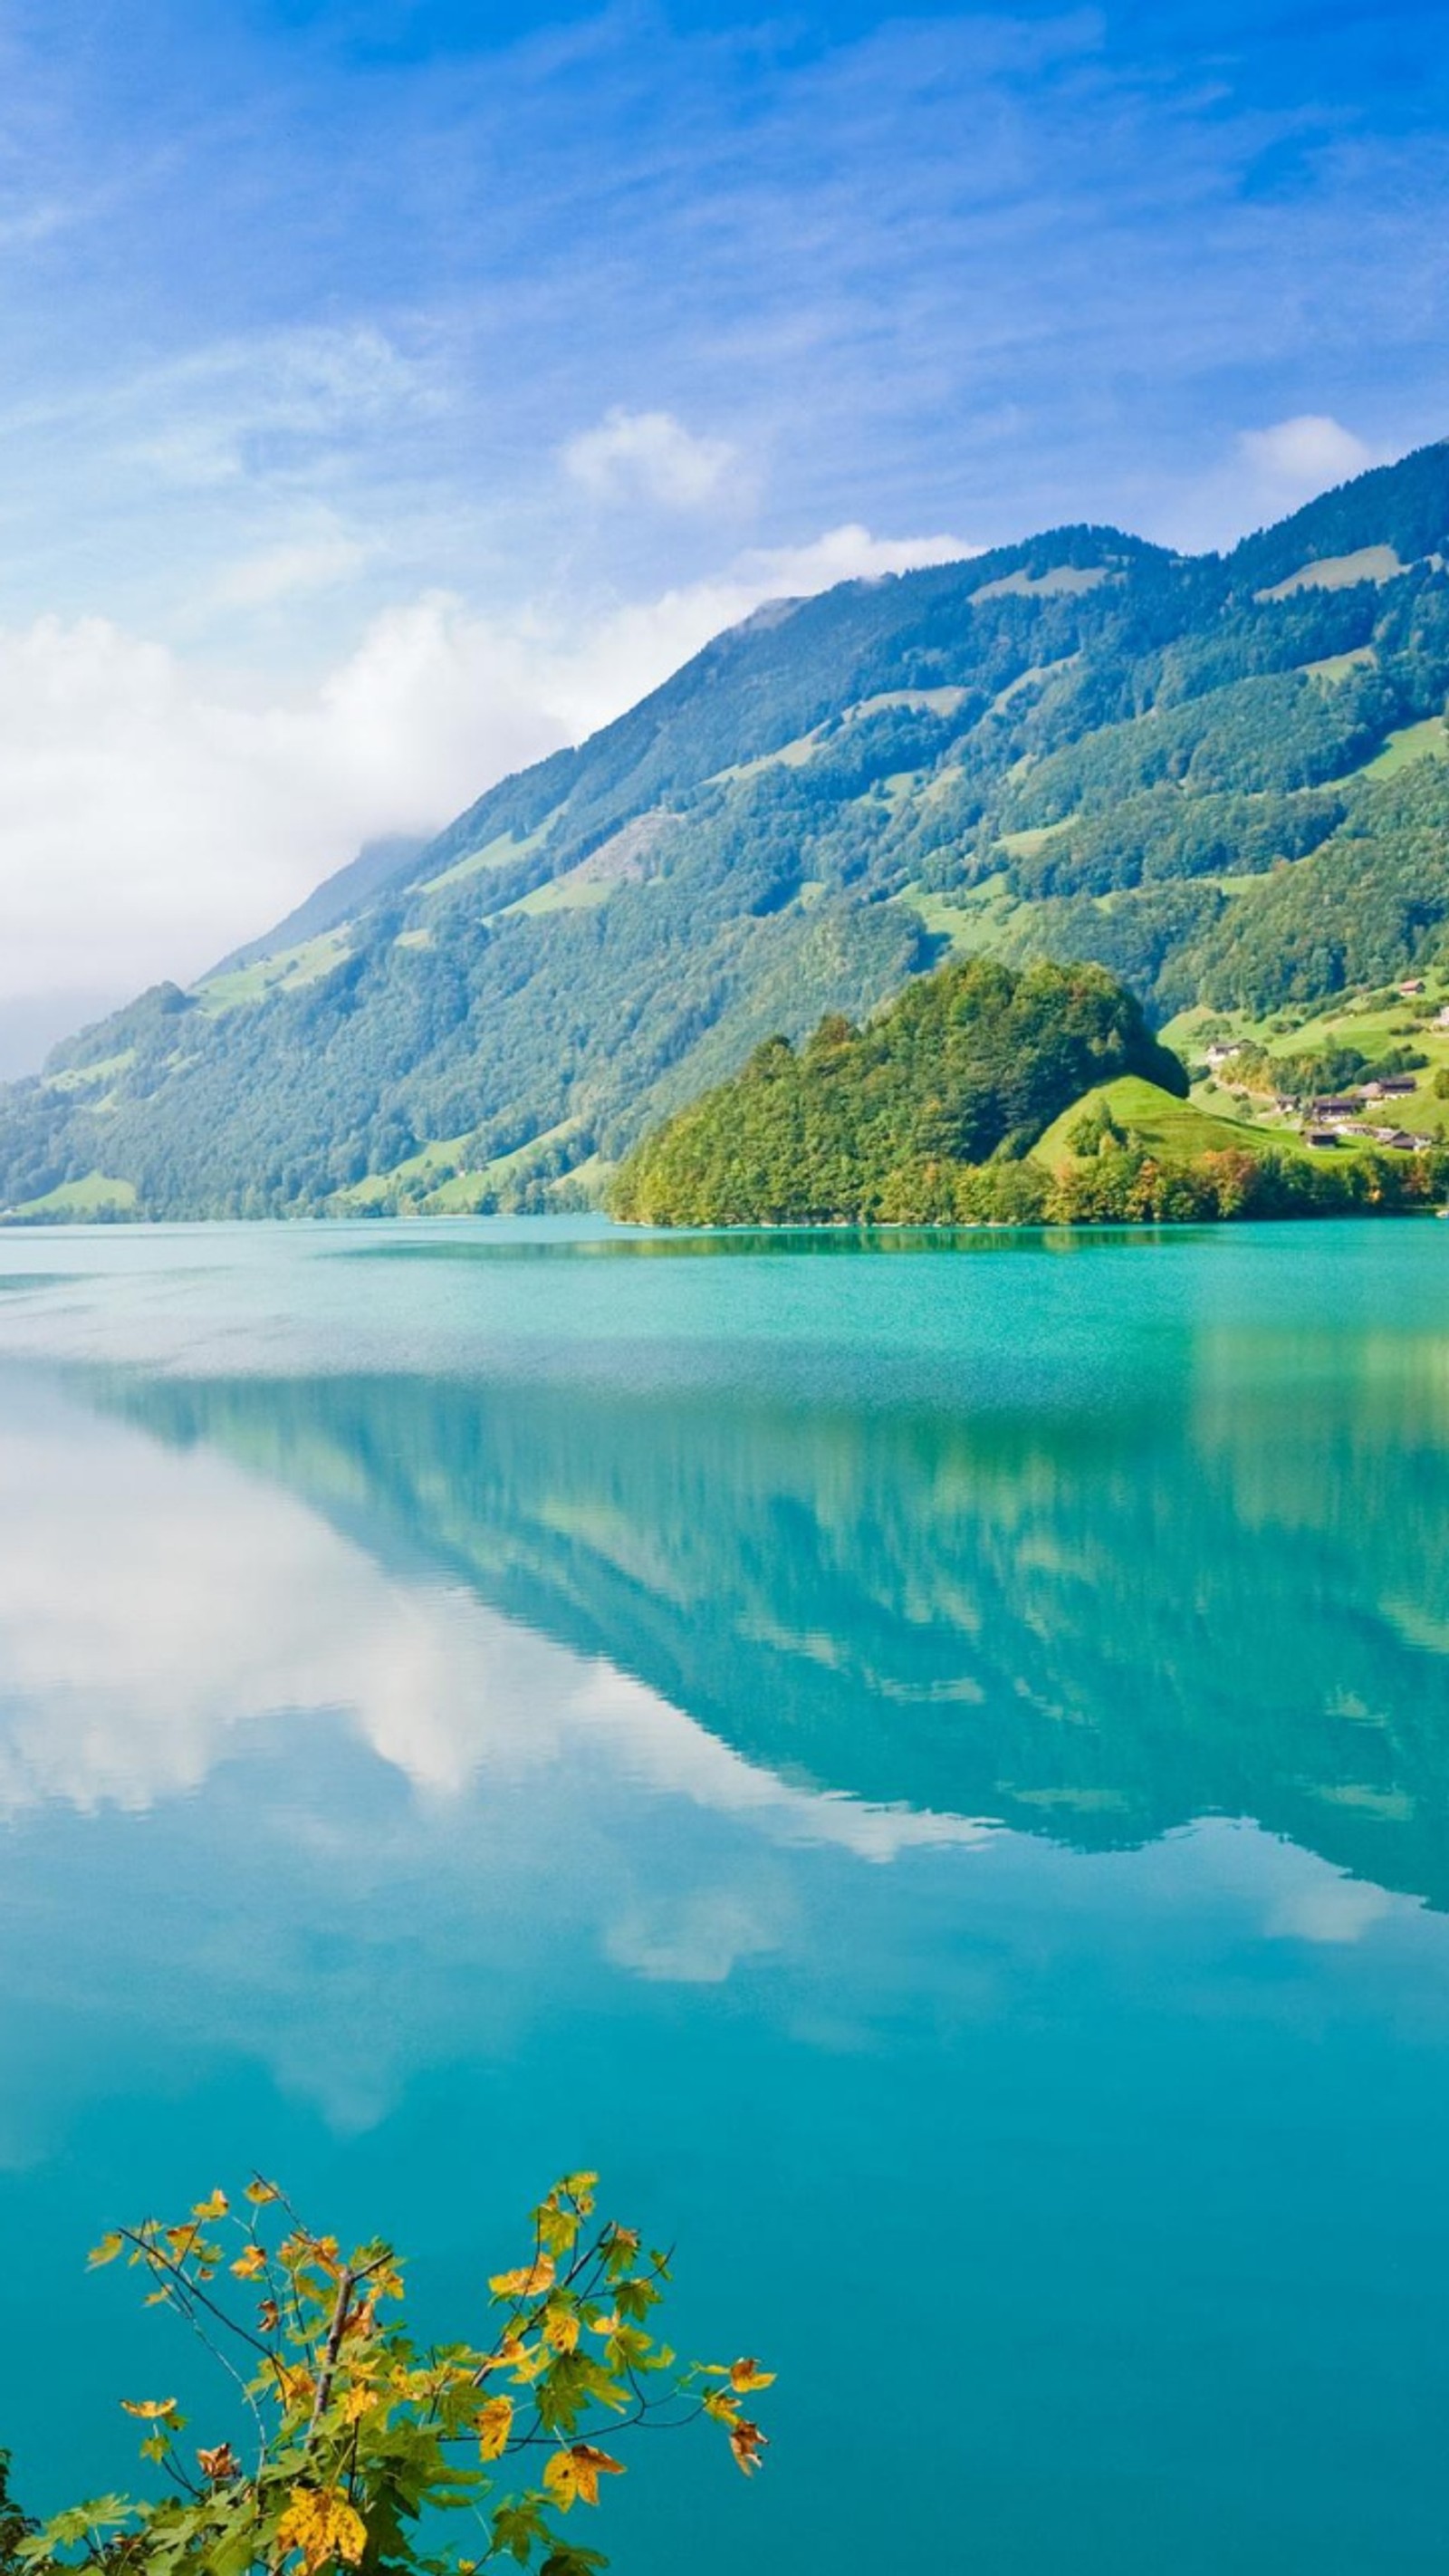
x=573, y=893
x=80, y=1202
x=975, y=922
x=1363, y=1020
x=416, y=1177
x=438, y=1180
x=1340, y=572
x=1177, y=1130
x=98, y=1077
x=1415, y=742
x=1341, y=666
x=286, y=972
x=500, y=852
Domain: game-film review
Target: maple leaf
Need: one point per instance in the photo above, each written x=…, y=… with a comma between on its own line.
x=151, y=2410
x=249, y=2264
x=320, y=2525
x=216, y=2207
x=561, y=2329
x=576, y=2472
x=495, y=2423
x=529, y=2283
x=747, y=2442
x=219, y=2464
x=747, y=2375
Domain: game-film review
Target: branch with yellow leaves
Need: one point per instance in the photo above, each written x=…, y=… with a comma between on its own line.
x=361, y=2435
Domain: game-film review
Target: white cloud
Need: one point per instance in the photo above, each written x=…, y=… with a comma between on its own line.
x=1309, y=452
x=1298, y=458
x=282, y=572
x=151, y=817
x=650, y=456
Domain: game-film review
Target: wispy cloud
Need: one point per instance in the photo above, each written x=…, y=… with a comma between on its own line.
x=285, y=572
x=649, y=456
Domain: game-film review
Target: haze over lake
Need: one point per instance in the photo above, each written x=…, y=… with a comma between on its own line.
x=925, y=1761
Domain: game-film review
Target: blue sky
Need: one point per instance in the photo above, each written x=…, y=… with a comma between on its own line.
x=390, y=389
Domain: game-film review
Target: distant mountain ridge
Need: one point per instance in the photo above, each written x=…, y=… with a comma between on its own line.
x=1224, y=779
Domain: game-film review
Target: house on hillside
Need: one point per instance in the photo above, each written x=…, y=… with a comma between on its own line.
x=1414, y=985
x=1326, y=1112
x=1396, y=1086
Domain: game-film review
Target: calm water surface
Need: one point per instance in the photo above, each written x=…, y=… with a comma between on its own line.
x=929, y=1765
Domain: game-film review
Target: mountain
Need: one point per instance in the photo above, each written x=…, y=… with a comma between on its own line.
x=1222, y=778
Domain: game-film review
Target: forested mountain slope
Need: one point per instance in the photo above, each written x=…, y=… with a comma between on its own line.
x=1225, y=779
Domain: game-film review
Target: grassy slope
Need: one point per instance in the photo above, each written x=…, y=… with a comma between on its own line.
x=81, y=1200
x=1427, y=740
x=285, y=972
x=1176, y=1129
x=1359, y=1019
x=440, y=1179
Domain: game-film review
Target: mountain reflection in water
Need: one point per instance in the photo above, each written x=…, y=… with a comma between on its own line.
x=1092, y=1625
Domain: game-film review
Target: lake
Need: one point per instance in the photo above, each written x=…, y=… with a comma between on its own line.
x=926, y=1763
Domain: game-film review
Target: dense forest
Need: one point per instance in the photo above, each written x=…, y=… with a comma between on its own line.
x=888, y=1120
x=1224, y=779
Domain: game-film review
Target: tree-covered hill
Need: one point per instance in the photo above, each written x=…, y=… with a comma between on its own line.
x=987, y=1094
x=1224, y=779
x=971, y=1063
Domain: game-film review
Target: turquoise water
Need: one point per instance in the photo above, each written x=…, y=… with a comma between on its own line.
x=929, y=1765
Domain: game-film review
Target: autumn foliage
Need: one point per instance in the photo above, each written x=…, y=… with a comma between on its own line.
x=355, y=2439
